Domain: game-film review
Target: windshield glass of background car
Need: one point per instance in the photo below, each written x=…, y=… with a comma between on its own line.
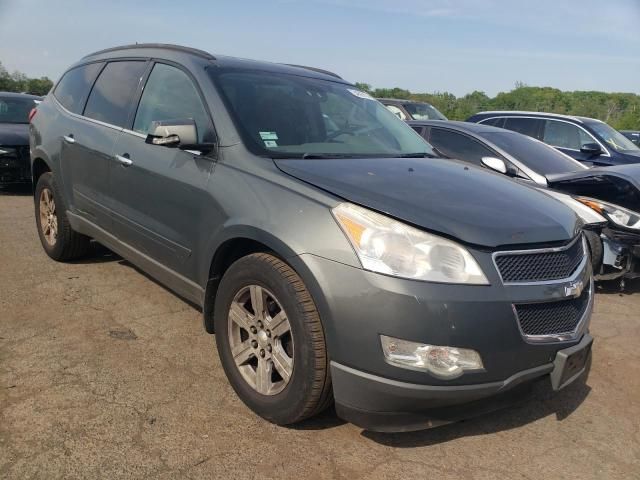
x=423, y=111
x=15, y=109
x=540, y=158
x=614, y=138
x=282, y=115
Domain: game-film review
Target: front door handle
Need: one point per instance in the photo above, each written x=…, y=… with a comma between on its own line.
x=69, y=138
x=124, y=159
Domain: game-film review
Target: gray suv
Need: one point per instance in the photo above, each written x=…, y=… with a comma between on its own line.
x=334, y=257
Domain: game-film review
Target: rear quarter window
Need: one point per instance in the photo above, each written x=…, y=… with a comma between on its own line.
x=73, y=87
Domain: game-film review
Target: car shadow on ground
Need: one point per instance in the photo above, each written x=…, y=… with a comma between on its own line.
x=21, y=189
x=613, y=287
x=98, y=254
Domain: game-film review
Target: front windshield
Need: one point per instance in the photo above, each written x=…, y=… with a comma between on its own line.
x=538, y=156
x=15, y=109
x=614, y=138
x=290, y=116
x=423, y=111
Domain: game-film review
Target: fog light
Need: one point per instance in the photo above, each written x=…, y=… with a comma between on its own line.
x=443, y=362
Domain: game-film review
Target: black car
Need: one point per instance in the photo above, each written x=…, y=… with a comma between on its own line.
x=411, y=109
x=332, y=261
x=633, y=135
x=613, y=192
x=588, y=140
x=14, y=136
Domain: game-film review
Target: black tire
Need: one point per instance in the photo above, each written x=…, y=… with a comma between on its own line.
x=68, y=244
x=308, y=391
x=596, y=250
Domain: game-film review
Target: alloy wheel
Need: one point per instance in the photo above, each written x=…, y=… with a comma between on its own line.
x=48, y=217
x=260, y=339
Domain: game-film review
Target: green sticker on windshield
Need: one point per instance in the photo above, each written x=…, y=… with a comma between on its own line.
x=270, y=143
x=268, y=135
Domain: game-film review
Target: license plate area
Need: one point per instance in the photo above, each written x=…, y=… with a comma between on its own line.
x=570, y=363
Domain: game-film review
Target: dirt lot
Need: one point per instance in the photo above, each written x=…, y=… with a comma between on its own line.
x=104, y=373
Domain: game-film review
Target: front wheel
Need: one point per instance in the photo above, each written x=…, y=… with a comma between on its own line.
x=271, y=341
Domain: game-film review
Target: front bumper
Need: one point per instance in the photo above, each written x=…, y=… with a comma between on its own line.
x=380, y=404
x=358, y=306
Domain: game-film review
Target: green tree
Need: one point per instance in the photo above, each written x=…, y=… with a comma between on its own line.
x=19, y=82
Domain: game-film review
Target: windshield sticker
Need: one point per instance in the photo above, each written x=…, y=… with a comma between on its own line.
x=268, y=135
x=360, y=94
x=270, y=143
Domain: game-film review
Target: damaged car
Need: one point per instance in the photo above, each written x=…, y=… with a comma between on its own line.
x=612, y=192
x=15, y=110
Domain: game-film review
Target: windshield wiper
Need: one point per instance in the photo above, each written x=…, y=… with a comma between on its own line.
x=417, y=155
x=312, y=156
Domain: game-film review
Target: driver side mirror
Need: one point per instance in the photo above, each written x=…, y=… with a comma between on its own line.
x=591, y=149
x=499, y=165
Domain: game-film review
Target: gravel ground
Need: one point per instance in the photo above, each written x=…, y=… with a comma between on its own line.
x=104, y=373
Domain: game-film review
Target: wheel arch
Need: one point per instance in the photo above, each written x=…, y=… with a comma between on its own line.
x=39, y=166
x=238, y=242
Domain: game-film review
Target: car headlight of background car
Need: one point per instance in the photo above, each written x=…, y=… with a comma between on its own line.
x=387, y=246
x=615, y=213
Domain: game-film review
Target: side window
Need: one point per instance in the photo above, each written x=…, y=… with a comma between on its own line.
x=170, y=94
x=111, y=96
x=565, y=135
x=458, y=145
x=494, y=122
x=526, y=126
x=72, y=89
x=396, y=111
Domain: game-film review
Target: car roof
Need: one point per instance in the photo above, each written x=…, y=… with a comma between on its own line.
x=523, y=113
x=20, y=95
x=469, y=127
x=156, y=49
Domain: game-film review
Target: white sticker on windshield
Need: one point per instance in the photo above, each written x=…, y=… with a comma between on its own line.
x=270, y=143
x=268, y=135
x=360, y=94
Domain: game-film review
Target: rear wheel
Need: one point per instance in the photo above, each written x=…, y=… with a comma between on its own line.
x=58, y=239
x=270, y=340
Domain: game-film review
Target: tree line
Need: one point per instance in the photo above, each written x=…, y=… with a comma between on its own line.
x=19, y=82
x=620, y=110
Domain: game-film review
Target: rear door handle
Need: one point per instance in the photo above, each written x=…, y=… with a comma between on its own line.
x=69, y=138
x=124, y=159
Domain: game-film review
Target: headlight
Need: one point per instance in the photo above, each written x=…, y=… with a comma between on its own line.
x=444, y=362
x=4, y=150
x=615, y=213
x=387, y=246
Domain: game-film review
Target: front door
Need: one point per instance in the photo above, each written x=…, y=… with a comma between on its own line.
x=159, y=192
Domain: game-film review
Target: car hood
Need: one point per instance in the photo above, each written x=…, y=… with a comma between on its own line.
x=470, y=204
x=14, y=134
x=618, y=184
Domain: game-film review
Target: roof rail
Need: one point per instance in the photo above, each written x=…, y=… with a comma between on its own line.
x=314, y=69
x=165, y=46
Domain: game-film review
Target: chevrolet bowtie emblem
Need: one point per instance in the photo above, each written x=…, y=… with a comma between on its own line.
x=574, y=289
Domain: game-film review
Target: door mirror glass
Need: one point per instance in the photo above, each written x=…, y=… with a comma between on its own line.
x=495, y=164
x=173, y=132
x=591, y=149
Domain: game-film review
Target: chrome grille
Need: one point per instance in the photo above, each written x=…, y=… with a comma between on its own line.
x=540, y=265
x=552, y=318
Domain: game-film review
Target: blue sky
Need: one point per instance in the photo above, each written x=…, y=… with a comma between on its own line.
x=421, y=45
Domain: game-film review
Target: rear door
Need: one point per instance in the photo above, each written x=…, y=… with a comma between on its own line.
x=88, y=140
x=160, y=195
